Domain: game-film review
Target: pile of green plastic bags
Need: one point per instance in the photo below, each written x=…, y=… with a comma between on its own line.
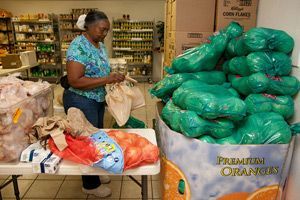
x=247, y=102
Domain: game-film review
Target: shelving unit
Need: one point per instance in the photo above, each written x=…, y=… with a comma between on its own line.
x=133, y=41
x=68, y=30
x=42, y=36
x=6, y=36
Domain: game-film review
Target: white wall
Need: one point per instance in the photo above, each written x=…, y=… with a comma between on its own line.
x=285, y=15
x=137, y=9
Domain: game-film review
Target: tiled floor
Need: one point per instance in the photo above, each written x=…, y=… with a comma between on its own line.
x=33, y=187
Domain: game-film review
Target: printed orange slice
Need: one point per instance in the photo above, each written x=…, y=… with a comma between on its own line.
x=266, y=193
x=235, y=196
x=175, y=184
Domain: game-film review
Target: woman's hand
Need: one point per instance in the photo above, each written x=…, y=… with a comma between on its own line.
x=115, y=78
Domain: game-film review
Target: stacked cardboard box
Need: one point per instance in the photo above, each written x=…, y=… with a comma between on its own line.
x=242, y=11
x=188, y=24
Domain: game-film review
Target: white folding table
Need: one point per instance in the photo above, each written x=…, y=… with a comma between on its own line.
x=71, y=168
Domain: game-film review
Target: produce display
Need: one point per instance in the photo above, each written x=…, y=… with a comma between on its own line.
x=21, y=104
x=169, y=84
x=206, y=56
x=272, y=63
x=251, y=108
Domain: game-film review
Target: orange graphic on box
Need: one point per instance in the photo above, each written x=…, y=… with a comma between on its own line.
x=175, y=184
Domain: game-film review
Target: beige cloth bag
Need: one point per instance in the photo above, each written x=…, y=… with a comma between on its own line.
x=121, y=98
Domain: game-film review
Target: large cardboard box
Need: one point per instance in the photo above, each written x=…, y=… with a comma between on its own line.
x=192, y=15
x=181, y=41
x=212, y=171
x=242, y=11
x=28, y=58
x=11, y=61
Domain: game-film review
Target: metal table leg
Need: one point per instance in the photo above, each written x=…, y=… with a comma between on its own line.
x=144, y=187
x=16, y=187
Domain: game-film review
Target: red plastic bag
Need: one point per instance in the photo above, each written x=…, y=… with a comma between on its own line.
x=137, y=150
x=80, y=150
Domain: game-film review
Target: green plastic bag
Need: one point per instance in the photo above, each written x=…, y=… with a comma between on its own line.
x=171, y=116
x=259, y=83
x=191, y=125
x=260, y=39
x=260, y=128
x=295, y=128
x=255, y=83
x=284, y=85
x=237, y=65
x=263, y=39
x=283, y=105
x=206, y=56
x=207, y=139
x=236, y=47
x=209, y=101
x=166, y=86
x=272, y=63
x=132, y=123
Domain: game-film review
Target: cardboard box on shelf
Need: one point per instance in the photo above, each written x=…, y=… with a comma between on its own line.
x=180, y=41
x=242, y=11
x=192, y=15
x=11, y=61
x=28, y=58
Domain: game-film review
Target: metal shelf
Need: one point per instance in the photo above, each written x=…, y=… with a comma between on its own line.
x=37, y=41
x=133, y=30
x=137, y=64
x=128, y=49
x=35, y=32
x=5, y=31
x=72, y=29
x=68, y=20
x=32, y=22
x=134, y=40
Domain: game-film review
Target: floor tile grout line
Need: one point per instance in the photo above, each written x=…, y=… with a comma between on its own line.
x=28, y=187
x=60, y=187
x=121, y=188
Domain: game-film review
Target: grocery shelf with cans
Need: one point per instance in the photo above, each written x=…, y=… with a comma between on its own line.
x=39, y=32
x=133, y=41
x=68, y=30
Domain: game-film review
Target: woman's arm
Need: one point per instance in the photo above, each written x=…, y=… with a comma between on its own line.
x=77, y=79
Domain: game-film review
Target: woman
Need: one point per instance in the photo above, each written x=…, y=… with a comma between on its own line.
x=88, y=72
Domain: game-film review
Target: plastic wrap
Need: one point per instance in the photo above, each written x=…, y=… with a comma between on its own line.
x=209, y=101
x=132, y=123
x=191, y=125
x=255, y=83
x=284, y=85
x=207, y=139
x=260, y=128
x=236, y=47
x=283, y=105
x=171, y=116
x=166, y=86
x=206, y=56
x=261, y=39
x=237, y=65
x=271, y=63
x=20, y=107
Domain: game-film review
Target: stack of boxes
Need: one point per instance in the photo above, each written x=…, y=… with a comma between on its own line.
x=190, y=22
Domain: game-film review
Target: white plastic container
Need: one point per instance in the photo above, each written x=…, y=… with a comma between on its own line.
x=16, y=122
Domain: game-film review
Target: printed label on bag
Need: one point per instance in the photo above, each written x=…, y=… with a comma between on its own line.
x=17, y=115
